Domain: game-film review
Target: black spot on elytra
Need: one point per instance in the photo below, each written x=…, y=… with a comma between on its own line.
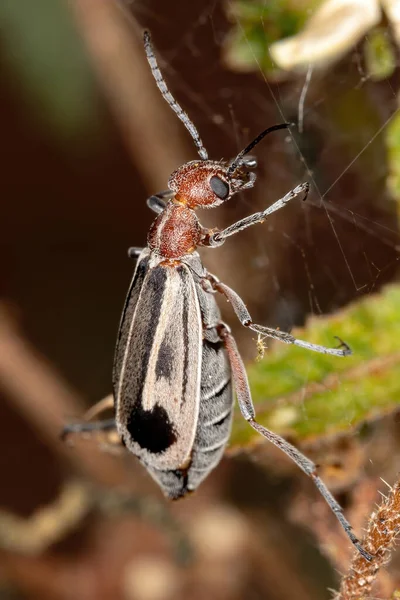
x=151, y=429
x=165, y=360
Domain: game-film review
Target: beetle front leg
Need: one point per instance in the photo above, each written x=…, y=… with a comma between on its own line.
x=158, y=202
x=134, y=252
x=217, y=238
x=245, y=318
x=246, y=406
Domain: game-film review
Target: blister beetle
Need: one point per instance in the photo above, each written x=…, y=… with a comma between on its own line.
x=175, y=359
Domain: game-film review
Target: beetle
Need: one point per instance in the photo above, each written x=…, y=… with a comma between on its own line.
x=175, y=359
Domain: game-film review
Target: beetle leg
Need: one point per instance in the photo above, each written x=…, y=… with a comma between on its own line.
x=247, y=409
x=108, y=425
x=245, y=318
x=104, y=433
x=218, y=237
x=158, y=202
x=105, y=426
x=134, y=252
x=106, y=403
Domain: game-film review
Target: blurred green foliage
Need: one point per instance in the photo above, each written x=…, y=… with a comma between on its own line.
x=380, y=60
x=257, y=24
x=393, y=149
x=304, y=394
x=45, y=56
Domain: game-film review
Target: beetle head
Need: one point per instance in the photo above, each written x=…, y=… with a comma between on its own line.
x=205, y=184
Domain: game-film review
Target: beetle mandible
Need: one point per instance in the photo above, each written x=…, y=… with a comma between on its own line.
x=175, y=359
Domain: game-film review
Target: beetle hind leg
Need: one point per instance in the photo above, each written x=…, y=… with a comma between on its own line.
x=101, y=431
x=104, y=431
x=306, y=465
x=84, y=427
x=106, y=403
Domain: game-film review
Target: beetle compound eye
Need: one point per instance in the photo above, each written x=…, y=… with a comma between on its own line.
x=219, y=187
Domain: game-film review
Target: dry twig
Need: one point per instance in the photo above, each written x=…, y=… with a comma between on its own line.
x=116, y=51
x=379, y=540
x=47, y=525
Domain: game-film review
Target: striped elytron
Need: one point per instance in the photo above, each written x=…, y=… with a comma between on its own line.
x=175, y=359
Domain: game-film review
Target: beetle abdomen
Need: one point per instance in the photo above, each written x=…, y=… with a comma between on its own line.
x=215, y=414
x=213, y=427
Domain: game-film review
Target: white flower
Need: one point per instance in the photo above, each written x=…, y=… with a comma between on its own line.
x=334, y=28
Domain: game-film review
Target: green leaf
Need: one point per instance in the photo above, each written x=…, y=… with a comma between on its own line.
x=302, y=394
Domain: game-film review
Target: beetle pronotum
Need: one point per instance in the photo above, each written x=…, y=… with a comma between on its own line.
x=175, y=359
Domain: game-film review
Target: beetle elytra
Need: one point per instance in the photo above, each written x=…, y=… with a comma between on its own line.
x=175, y=360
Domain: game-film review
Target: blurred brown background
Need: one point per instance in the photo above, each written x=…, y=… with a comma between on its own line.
x=86, y=138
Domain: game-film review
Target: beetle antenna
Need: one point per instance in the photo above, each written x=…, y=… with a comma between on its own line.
x=162, y=86
x=238, y=160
